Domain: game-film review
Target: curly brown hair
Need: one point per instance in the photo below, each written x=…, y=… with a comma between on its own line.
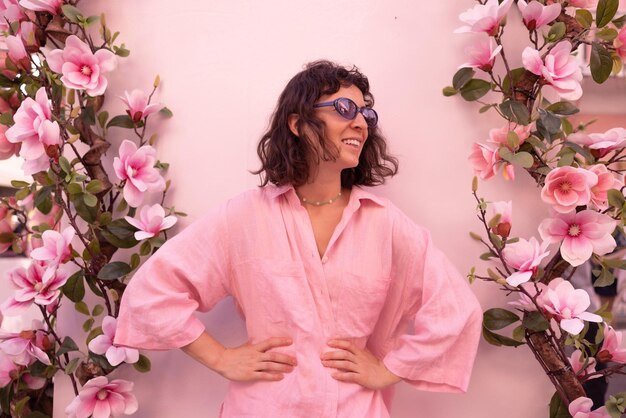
x=288, y=159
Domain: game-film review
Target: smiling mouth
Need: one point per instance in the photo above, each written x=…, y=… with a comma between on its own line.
x=352, y=142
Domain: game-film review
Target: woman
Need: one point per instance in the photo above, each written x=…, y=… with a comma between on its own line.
x=326, y=274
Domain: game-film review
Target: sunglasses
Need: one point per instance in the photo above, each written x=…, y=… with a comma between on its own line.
x=348, y=109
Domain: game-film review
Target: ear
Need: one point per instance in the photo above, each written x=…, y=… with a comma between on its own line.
x=293, y=123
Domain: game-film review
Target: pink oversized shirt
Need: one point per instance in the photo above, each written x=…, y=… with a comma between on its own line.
x=380, y=274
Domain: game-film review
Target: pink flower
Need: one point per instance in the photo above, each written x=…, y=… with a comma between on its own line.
x=583, y=233
x=152, y=220
x=103, y=344
x=606, y=182
x=578, y=361
x=499, y=136
x=10, y=12
x=50, y=6
x=482, y=55
x=28, y=34
x=559, y=69
x=620, y=43
x=26, y=346
x=103, y=399
x=586, y=4
x=81, y=68
x=484, y=160
x=485, y=17
x=535, y=15
x=524, y=302
x=524, y=256
x=138, y=107
x=34, y=127
x=567, y=187
x=5, y=228
x=34, y=285
x=568, y=306
x=56, y=247
x=136, y=166
x=604, y=143
x=581, y=408
x=505, y=210
x=7, y=149
x=8, y=370
x=17, y=51
x=611, y=349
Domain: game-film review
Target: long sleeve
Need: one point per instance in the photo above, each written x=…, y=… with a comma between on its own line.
x=189, y=272
x=445, y=315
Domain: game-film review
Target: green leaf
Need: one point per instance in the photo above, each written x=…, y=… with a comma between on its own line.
x=142, y=365
x=605, y=12
x=65, y=165
x=606, y=278
x=563, y=108
x=581, y=150
x=90, y=200
x=43, y=200
x=584, y=17
x=74, y=188
x=121, y=51
x=462, y=77
x=486, y=256
x=93, y=334
x=91, y=282
x=6, y=119
x=19, y=405
x=71, y=12
x=88, y=324
x=548, y=124
x=620, y=21
x=475, y=89
x=145, y=248
x=522, y=159
x=166, y=112
x=499, y=340
x=616, y=198
x=114, y=270
x=74, y=288
x=95, y=186
x=449, y=91
x=134, y=261
x=535, y=321
x=97, y=310
x=557, y=31
x=67, y=346
x=122, y=121
x=519, y=333
x=72, y=366
x=82, y=308
x=607, y=34
x=103, y=117
x=19, y=184
x=120, y=233
x=498, y=318
x=557, y=408
x=515, y=111
x=516, y=76
x=600, y=62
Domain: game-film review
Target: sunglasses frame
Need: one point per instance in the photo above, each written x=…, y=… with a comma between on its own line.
x=360, y=110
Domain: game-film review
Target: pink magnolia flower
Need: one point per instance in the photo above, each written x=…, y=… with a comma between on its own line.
x=620, y=43
x=581, y=408
x=502, y=208
x=50, y=6
x=611, y=349
x=605, y=142
x=34, y=127
x=103, y=344
x=56, y=247
x=10, y=11
x=568, y=306
x=28, y=34
x=138, y=107
x=7, y=149
x=559, y=69
x=567, y=187
x=31, y=167
x=524, y=302
x=8, y=369
x=606, y=182
x=535, y=15
x=585, y=4
x=34, y=285
x=103, y=399
x=485, y=17
x=26, y=346
x=5, y=228
x=152, y=220
x=583, y=234
x=524, y=256
x=81, y=68
x=578, y=362
x=482, y=55
x=17, y=51
x=136, y=166
x=484, y=160
x=499, y=136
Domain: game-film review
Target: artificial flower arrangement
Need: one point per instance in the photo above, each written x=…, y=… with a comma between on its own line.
x=580, y=176
x=72, y=219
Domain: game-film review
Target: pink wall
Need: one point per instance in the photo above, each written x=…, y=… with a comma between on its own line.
x=223, y=64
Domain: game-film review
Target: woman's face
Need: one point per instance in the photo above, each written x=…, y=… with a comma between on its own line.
x=347, y=135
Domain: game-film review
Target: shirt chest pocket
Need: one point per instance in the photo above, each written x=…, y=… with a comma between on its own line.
x=359, y=301
x=274, y=291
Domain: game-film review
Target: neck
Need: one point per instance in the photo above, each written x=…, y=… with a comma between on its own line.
x=320, y=189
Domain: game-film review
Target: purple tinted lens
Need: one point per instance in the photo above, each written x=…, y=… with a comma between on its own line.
x=346, y=108
x=370, y=115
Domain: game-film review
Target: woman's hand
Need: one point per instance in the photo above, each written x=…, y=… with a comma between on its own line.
x=357, y=365
x=251, y=362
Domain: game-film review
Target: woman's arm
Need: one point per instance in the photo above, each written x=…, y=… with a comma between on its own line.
x=247, y=362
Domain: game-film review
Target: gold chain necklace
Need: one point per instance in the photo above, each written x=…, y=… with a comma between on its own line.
x=320, y=202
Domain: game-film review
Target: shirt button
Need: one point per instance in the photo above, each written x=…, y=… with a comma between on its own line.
x=324, y=260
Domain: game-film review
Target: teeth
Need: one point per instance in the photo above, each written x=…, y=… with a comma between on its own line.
x=352, y=142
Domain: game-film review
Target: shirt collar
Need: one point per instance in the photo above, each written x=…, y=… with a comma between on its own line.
x=358, y=193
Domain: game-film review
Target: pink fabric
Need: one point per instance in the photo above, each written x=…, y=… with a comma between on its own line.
x=380, y=274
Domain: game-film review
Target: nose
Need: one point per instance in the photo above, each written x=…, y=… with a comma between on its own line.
x=359, y=121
